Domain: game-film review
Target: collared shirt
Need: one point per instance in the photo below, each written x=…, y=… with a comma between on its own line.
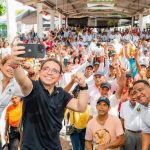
x=131, y=116
x=94, y=95
x=11, y=89
x=146, y=120
x=42, y=117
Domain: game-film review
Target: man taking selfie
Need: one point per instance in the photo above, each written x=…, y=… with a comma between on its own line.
x=44, y=103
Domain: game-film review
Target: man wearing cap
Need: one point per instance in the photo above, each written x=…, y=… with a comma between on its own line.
x=104, y=131
x=104, y=90
x=94, y=91
x=96, y=66
x=89, y=74
x=112, y=78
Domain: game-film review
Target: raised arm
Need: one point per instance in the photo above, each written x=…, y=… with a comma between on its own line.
x=23, y=80
x=125, y=49
x=121, y=83
x=79, y=104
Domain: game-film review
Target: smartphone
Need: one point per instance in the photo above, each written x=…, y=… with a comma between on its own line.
x=65, y=62
x=33, y=51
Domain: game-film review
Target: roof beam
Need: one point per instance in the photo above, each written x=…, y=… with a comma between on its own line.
x=72, y=3
x=99, y=13
x=136, y=3
x=30, y=2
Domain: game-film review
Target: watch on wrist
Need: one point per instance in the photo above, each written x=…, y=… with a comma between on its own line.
x=83, y=88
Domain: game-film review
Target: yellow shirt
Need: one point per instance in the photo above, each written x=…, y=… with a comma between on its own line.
x=130, y=52
x=79, y=119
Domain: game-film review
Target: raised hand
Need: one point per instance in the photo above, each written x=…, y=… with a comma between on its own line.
x=17, y=50
x=80, y=79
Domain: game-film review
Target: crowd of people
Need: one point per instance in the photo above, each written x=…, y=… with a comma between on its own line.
x=94, y=82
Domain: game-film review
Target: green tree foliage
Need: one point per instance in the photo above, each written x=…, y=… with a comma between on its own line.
x=112, y=23
x=2, y=9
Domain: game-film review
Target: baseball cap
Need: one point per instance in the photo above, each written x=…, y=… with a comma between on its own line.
x=111, y=53
x=89, y=65
x=96, y=63
x=106, y=84
x=103, y=99
x=99, y=73
x=145, y=50
x=143, y=64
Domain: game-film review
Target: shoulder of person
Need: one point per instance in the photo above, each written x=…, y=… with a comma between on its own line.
x=115, y=118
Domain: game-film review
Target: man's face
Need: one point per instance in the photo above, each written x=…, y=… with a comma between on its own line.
x=112, y=70
x=104, y=91
x=142, y=93
x=96, y=66
x=88, y=71
x=129, y=81
x=50, y=73
x=99, y=79
x=132, y=96
x=15, y=100
x=102, y=108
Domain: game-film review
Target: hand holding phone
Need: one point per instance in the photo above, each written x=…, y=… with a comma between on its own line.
x=33, y=51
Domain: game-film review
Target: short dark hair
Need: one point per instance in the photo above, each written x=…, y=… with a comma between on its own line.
x=142, y=81
x=54, y=60
x=130, y=89
x=75, y=58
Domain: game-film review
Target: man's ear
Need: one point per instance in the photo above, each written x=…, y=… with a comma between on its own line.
x=60, y=77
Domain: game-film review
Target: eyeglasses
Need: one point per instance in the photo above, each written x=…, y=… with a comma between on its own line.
x=53, y=71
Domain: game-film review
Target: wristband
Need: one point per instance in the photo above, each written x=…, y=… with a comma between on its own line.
x=83, y=88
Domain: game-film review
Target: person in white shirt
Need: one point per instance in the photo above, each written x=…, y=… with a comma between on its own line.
x=89, y=38
x=130, y=114
x=94, y=91
x=135, y=37
x=118, y=36
x=142, y=93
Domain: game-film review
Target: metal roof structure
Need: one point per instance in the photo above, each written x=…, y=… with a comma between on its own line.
x=94, y=8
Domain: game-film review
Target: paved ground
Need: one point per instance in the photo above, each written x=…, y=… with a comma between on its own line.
x=65, y=142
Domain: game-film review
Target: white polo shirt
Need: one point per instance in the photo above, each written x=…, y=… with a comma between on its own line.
x=131, y=116
x=146, y=120
x=94, y=95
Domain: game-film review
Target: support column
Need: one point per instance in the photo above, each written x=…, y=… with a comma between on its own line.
x=60, y=21
x=141, y=22
x=132, y=21
x=66, y=22
x=52, y=27
x=11, y=20
x=39, y=20
x=95, y=22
